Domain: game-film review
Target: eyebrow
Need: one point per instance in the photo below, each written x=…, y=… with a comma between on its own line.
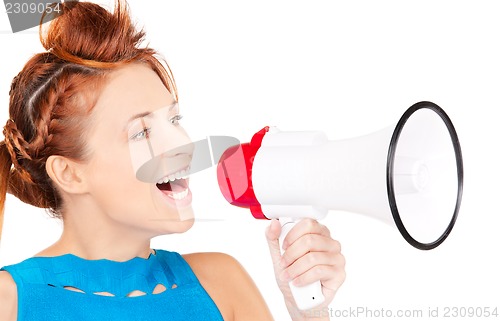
x=147, y=113
x=139, y=115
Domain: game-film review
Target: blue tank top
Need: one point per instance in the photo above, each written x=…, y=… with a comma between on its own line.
x=42, y=295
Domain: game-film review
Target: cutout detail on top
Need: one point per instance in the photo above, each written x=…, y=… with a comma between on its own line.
x=159, y=288
x=135, y=293
x=72, y=288
x=104, y=293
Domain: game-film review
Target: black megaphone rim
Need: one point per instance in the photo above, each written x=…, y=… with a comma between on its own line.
x=390, y=171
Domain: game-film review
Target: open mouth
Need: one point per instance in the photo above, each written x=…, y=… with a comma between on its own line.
x=175, y=185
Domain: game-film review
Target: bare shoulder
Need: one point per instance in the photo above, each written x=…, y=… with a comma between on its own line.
x=8, y=297
x=213, y=264
x=229, y=285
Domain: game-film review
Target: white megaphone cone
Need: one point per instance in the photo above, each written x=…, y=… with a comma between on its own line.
x=409, y=175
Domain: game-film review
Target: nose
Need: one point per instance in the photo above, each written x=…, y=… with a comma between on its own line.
x=182, y=150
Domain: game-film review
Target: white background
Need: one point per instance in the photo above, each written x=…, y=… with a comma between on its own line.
x=346, y=68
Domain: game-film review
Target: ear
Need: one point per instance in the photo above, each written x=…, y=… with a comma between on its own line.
x=66, y=174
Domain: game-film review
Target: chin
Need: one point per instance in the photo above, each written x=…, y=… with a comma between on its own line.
x=180, y=224
x=186, y=225
x=175, y=227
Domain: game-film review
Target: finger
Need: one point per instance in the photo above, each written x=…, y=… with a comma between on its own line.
x=306, y=244
x=331, y=277
x=309, y=262
x=273, y=230
x=305, y=226
x=272, y=235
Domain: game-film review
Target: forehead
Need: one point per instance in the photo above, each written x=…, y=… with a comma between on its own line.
x=132, y=89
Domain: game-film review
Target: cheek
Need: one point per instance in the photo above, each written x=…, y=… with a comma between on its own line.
x=116, y=162
x=112, y=175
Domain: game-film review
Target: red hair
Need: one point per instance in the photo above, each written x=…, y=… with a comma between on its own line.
x=52, y=97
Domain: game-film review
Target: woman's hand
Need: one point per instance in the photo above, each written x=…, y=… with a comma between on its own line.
x=310, y=255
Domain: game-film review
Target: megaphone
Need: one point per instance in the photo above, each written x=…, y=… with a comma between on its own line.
x=409, y=175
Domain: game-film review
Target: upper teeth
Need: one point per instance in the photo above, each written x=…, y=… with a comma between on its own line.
x=172, y=177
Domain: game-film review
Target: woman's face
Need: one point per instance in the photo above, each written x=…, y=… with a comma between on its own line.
x=135, y=95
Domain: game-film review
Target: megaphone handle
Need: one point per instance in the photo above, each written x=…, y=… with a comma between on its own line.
x=308, y=296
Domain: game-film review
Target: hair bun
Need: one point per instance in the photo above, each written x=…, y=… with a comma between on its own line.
x=85, y=31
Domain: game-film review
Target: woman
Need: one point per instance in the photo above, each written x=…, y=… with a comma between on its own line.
x=79, y=113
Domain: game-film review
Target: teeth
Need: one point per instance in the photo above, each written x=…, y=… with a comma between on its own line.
x=183, y=174
x=180, y=195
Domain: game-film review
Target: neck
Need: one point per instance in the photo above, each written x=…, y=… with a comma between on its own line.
x=95, y=237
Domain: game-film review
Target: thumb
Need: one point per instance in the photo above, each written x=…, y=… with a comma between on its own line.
x=273, y=232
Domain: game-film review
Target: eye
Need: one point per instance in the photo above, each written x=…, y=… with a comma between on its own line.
x=175, y=119
x=144, y=133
